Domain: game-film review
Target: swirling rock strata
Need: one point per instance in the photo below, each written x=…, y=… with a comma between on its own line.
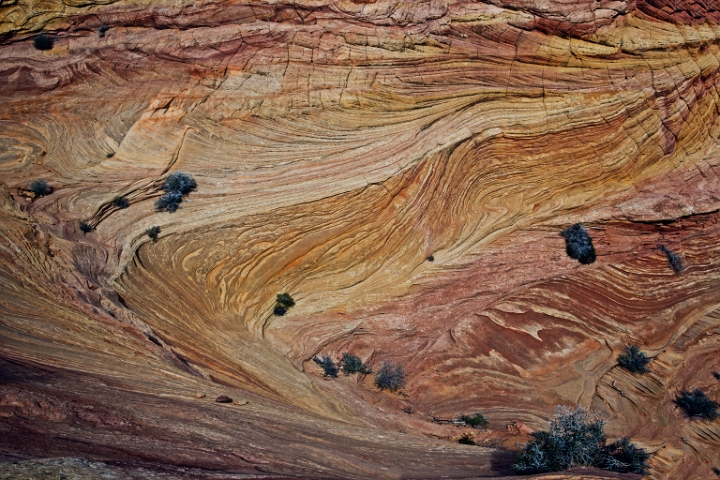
x=337, y=146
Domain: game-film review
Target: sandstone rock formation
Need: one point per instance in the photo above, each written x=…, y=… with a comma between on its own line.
x=337, y=145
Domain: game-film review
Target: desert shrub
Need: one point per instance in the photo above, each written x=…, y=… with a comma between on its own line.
x=577, y=438
x=578, y=244
x=622, y=456
x=168, y=202
x=102, y=30
x=179, y=182
x=43, y=42
x=329, y=367
x=697, y=404
x=353, y=364
x=279, y=310
x=466, y=439
x=390, y=377
x=676, y=262
x=633, y=360
x=716, y=375
x=85, y=227
x=120, y=202
x=476, y=420
x=285, y=300
x=153, y=233
x=716, y=471
x=431, y=258
x=40, y=188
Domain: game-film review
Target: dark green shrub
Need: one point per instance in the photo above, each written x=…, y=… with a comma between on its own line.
x=697, y=404
x=329, y=367
x=624, y=457
x=578, y=244
x=279, y=310
x=285, y=300
x=176, y=186
x=466, y=439
x=353, y=364
x=716, y=375
x=169, y=202
x=43, y=42
x=390, y=377
x=716, y=471
x=120, y=202
x=40, y=188
x=676, y=262
x=85, y=227
x=153, y=233
x=102, y=30
x=577, y=438
x=476, y=420
x=431, y=258
x=634, y=360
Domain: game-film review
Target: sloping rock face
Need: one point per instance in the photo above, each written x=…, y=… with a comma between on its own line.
x=403, y=170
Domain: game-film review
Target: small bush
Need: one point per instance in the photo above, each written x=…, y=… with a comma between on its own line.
x=102, y=30
x=169, y=202
x=716, y=471
x=577, y=438
x=697, y=404
x=43, y=42
x=716, y=375
x=578, y=244
x=329, y=367
x=285, y=300
x=153, y=233
x=476, y=420
x=634, y=360
x=353, y=364
x=179, y=182
x=390, y=377
x=431, y=258
x=120, y=202
x=40, y=188
x=466, y=439
x=676, y=262
x=279, y=310
x=85, y=227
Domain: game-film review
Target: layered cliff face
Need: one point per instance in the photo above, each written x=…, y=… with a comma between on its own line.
x=338, y=148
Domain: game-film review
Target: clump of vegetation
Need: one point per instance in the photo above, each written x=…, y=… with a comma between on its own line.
x=431, y=258
x=176, y=186
x=634, y=360
x=476, y=420
x=466, y=439
x=716, y=375
x=329, y=367
x=43, y=42
x=120, y=202
x=102, y=30
x=697, y=404
x=577, y=438
x=354, y=364
x=40, y=188
x=578, y=244
x=716, y=471
x=283, y=303
x=676, y=262
x=153, y=233
x=85, y=227
x=390, y=377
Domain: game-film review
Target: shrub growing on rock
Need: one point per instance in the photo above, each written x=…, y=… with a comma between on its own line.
x=40, y=188
x=120, y=202
x=697, y=404
x=176, y=186
x=153, y=233
x=578, y=244
x=283, y=303
x=85, y=227
x=43, y=42
x=676, y=262
x=329, y=367
x=390, y=377
x=466, y=439
x=476, y=420
x=353, y=364
x=102, y=30
x=633, y=360
x=716, y=375
x=577, y=438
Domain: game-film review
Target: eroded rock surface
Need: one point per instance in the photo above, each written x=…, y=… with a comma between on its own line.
x=336, y=147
